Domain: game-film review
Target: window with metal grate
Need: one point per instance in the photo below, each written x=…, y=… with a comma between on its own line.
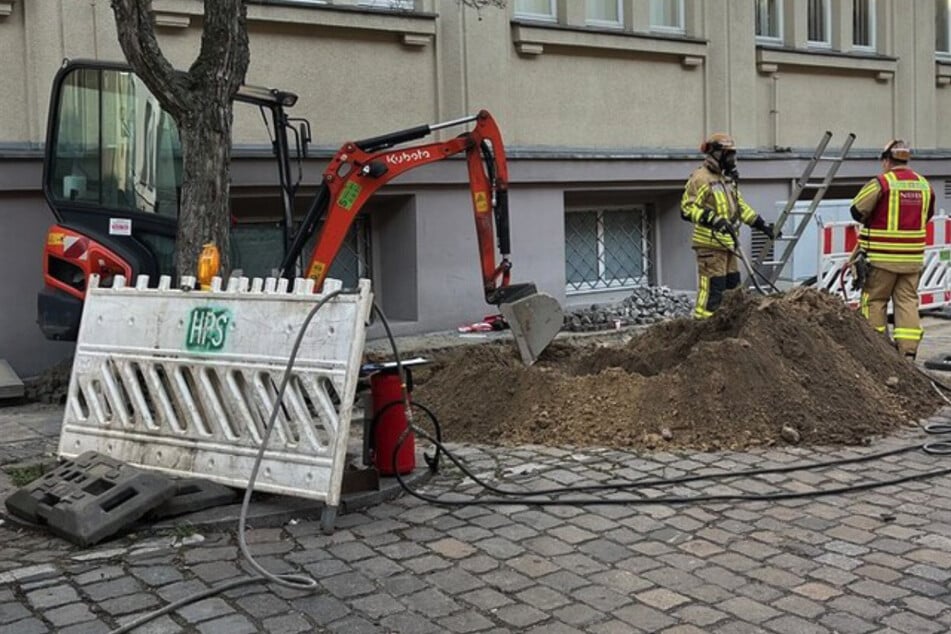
x=607, y=248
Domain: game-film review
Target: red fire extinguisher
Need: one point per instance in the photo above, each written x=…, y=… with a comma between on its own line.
x=389, y=416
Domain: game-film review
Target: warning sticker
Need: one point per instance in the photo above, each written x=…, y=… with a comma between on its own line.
x=120, y=227
x=316, y=270
x=481, y=202
x=55, y=239
x=349, y=195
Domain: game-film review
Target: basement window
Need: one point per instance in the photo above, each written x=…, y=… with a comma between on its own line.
x=607, y=248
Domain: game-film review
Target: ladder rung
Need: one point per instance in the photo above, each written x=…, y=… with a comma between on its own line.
x=772, y=262
x=834, y=159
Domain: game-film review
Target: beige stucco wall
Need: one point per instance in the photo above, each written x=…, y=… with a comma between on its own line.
x=360, y=72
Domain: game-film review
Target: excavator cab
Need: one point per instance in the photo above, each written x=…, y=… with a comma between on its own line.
x=112, y=175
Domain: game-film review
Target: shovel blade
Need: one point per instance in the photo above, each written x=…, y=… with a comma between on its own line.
x=534, y=321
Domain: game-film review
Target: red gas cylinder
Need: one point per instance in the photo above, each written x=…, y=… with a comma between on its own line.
x=385, y=389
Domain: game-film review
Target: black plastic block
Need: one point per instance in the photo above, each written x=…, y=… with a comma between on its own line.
x=194, y=494
x=942, y=363
x=91, y=497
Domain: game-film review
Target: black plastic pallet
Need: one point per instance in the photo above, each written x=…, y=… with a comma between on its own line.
x=191, y=495
x=90, y=498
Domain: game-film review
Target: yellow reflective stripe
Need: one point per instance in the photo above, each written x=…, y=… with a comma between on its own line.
x=925, y=201
x=911, y=247
x=863, y=304
x=891, y=257
x=872, y=188
x=703, y=294
x=885, y=233
x=691, y=207
x=908, y=334
x=880, y=329
x=703, y=236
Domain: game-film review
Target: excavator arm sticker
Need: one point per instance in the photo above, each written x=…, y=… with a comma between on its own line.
x=349, y=195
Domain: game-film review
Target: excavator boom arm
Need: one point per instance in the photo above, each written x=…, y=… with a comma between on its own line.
x=360, y=168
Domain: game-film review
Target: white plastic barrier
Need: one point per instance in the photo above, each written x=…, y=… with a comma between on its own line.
x=184, y=381
x=838, y=239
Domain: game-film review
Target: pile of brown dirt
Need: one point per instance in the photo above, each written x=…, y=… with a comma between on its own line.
x=802, y=360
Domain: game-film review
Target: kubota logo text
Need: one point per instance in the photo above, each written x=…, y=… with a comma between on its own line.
x=406, y=157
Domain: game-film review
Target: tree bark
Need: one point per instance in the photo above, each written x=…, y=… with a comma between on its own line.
x=200, y=102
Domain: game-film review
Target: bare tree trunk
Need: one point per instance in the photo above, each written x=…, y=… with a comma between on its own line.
x=200, y=102
x=205, y=206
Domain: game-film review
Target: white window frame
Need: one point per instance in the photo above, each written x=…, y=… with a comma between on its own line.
x=611, y=24
x=674, y=30
x=773, y=39
x=946, y=27
x=628, y=283
x=872, y=28
x=551, y=16
x=827, y=23
x=400, y=5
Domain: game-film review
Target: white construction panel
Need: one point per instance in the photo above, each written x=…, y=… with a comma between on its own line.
x=185, y=381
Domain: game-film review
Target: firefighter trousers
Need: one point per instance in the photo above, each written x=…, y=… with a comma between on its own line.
x=902, y=290
x=717, y=272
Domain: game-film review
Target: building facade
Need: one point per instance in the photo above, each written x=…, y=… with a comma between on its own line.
x=602, y=104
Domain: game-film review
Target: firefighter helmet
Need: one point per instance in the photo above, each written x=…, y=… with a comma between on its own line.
x=718, y=141
x=896, y=150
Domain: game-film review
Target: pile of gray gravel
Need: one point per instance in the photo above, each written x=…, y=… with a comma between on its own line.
x=645, y=305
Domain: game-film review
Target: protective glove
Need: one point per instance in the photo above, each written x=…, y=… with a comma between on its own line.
x=769, y=230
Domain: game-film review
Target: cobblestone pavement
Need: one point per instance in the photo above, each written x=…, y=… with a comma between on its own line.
x=874, y=561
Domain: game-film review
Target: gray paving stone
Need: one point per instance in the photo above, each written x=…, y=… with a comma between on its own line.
x=799, y=606
x=204, y=610
x=347, y=585
x=354, y=624
x=790, y=624
x=748, y=610
x=129, y=603
x=564, y=581
x=464, y=622
x=378, y=605
x=699, y=615
x=644, y=617
x=542, y=597
x=51, y=597
x=26, y=626
x=532, y=565
x=156, y=575
x=10, y=612
x=578, y=614
x=909, y=622
x=93, y=627
x=321, y=608
x=111, y=589
x=520, y=615
x=846, y=623
x=104, y=573
x=401, y=584
x=407, y=622
x=287, y=624
x=378, y=567
x=231, y=624
x=431, y=603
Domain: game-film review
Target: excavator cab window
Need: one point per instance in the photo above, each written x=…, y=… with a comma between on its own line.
x=115, y=148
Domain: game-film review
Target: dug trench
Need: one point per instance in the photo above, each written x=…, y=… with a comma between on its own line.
x=802, y=361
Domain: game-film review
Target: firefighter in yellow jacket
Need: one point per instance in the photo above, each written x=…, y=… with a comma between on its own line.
x=712, y=202
x=894, y=209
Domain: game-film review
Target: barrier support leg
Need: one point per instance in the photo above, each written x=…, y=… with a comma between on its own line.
x=327, y=518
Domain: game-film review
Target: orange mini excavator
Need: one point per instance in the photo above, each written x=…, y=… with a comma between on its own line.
x=112, y=173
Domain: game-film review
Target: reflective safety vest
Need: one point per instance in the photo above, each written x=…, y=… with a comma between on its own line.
x=895, y=230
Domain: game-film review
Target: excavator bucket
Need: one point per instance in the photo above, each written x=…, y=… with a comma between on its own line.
x=534, y=320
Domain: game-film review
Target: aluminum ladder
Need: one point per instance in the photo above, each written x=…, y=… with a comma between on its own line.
x=772, y=268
